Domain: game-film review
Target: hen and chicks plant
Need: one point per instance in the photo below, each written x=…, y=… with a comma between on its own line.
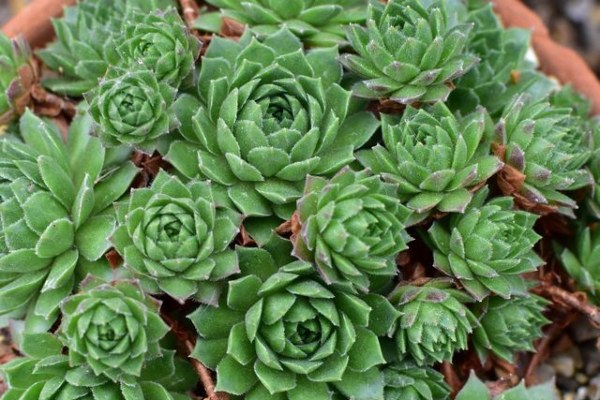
x=347, y=195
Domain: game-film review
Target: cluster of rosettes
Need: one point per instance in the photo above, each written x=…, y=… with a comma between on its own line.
x=112, y=333
x=146, y=55
x=305, y=163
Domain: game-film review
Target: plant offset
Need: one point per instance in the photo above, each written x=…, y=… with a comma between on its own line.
x=287, y=200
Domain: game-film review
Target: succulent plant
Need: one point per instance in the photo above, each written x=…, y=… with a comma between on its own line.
x=160, y=41
x=112, y=328
x=84, y=36
x=269, y=115
x=315, y=22
x=434, y=321
x=409, y=51
x=408, y=381
x=352, y=227
x=588, y=127
x=258, y=168
x=488, y=247
x=175, y=238
x=544, y=154
x=436, y=159
x=56, y=214
x=17, y=74
x=509, y=325
x=581, y=107
x=45, y=373
x=583, y=261
x=474, y=389
x=593, y=198
x=131, y=107
x=282, y=333
x=502, y=70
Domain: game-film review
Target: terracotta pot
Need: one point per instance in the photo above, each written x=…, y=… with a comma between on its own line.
x=555, y=60
x=34, y=21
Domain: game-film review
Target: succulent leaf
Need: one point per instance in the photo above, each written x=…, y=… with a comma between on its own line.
x=175, y=238
x=132, y=107
x=545, y=154
x=581, y=262
x=502, y=70
x=269, y=114
x=316, y=23
x=509, y=326
x=53, y=219
x=406, y=380
x=84, y=36
x=17, y=74
x=46, y=374
x=286, y=333
x=351, y=227
x=436, y=159
x=409, y=51
x=160, y=41
x=112, y=329
x=435, y=322
x=475, y=389
x=487, y=247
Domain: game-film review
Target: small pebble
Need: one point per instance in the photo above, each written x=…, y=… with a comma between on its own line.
x=581, y=394
x=583, y=330
x=564, y=365
x=591, y=358
x=569, y=396
x=594, y=389
x=567, y=384
x=544, y=373
x=581, y=378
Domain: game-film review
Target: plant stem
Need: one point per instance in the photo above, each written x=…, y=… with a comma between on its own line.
x=186, y=338
x=451, y=377
x=205, y=377
x=577, y=301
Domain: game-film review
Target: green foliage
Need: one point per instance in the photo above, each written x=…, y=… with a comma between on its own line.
x=56, y=214
x=487, y=248
x=476, y=390
x=45, y=373
x=589, y=129
x=434, y=321
x=352, y=227
x=583, y=261
x=284, y=334
x=159, y=41
x=581, y=108
x=84, y=37
x=268, y=115
x=175, y=237
x=266, y=193
x=316, y=22
x=133, y=107
x=540, y=142
x=16, y=73
x=502, y=70
x=409, y=51
x=112, y=329
x=436, y=159
x=509, y=326
x=408, y=381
